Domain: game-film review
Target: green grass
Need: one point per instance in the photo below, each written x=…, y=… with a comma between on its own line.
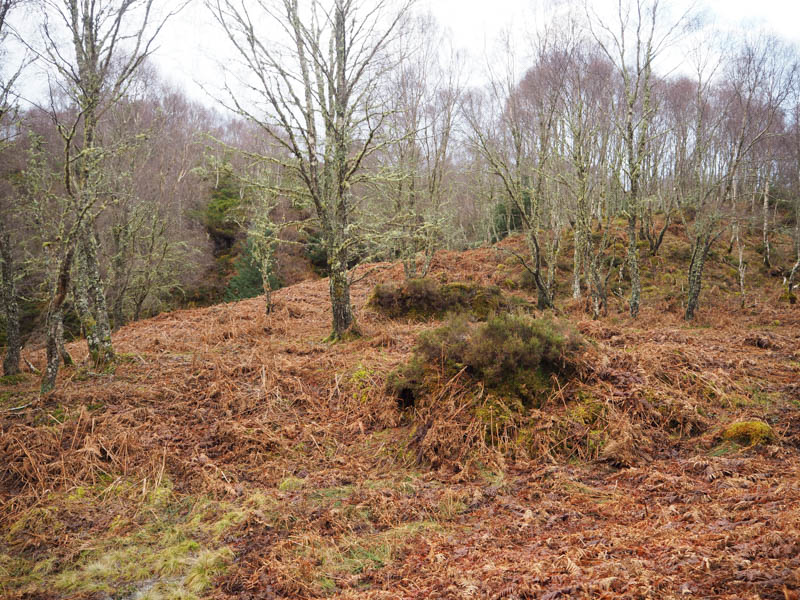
x=157, y=546
x=291, y=484
x=359, y=554
x=13, y=379
x=332, y=493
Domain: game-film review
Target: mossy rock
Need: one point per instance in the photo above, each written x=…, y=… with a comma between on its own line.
x=748, y=433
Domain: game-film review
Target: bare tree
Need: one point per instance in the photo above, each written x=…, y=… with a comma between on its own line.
x=731, y=121
x=794, y=152
x=109, y=40
x=518, y=144
x=633, y=43
x=147, y=243
x=425, y=93
x=318, y=94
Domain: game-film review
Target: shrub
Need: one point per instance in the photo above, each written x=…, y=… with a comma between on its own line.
x=415, y=297
x=513, y=355
x=316, y=253
x=507, y=219
x=217, y=214
x=425, y=298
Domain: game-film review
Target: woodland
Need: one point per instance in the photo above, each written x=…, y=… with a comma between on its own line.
x=362, y=323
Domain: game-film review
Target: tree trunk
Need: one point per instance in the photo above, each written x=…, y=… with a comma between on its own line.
x=117, y=313
x=742, y=270
x=90, y=303
x=66, y=358
x=633, y=267
x=792, y=275
x=765, y=227
x=104, y=352
x=343, y=319
x=543, y=300
x=80, y=294
x=266, y=272
x=598, y=291
x=577, y=260
x=119, y=273
x=699, y=255
x=10, y=305
x=55, y=324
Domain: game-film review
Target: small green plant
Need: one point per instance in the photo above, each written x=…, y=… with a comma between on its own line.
x=248, y=281
x=291, y=484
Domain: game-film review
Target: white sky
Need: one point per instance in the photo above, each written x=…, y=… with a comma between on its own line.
x=191, y=47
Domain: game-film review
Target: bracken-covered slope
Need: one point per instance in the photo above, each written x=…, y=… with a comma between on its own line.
x=233, y=454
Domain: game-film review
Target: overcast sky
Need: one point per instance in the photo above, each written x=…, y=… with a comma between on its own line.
x=191, y=46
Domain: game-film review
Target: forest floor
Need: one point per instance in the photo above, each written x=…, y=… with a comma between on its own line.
x=234, y=454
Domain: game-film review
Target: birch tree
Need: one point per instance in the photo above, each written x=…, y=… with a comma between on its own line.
x=633, y=43
x=316, y=89
x=425, y=93
x=794, y=152
x=108, y=40
x=517, y=146
x=745, y=113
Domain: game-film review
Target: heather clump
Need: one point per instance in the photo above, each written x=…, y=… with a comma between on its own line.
x=510, y=354
x=425, y=298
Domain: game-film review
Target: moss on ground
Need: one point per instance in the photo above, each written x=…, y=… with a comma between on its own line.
x=13, y=379
x=157, y=546
x=748, y=433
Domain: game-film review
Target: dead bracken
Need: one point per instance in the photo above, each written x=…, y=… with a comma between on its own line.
x=237, y=454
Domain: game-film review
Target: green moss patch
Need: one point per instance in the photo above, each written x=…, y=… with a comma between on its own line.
x=748, y=433
x=155, y=546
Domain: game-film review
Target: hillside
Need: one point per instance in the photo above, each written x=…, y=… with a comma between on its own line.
x=233, y=454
